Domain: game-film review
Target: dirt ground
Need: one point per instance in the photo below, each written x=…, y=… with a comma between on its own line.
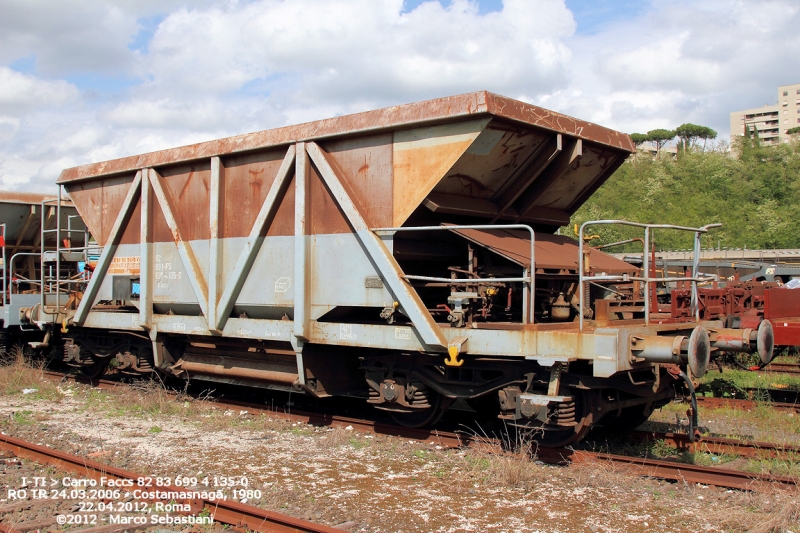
x=358, y=482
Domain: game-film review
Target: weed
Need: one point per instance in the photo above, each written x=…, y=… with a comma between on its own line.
x=421, y=454
x=155, y=429
x=760, y=512
x=23, y=418
x=301, y=431
x=19, y=373
x=334, y=438
x=357, y=443
x=736, y=383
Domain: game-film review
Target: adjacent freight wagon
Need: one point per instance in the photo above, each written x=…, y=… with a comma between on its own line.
x=406, y=255
x=30, y=224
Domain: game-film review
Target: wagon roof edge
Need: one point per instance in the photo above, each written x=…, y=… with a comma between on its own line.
x=404, y=115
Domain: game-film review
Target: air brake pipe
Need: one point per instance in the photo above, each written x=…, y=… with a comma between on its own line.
x=236, y=368
x=693, y=423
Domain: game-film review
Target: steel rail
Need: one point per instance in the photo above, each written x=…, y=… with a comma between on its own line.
x=225, y=511
x=719, y=445
x=781, y=368
x=687, y=473
x=747, y=405
x=646, y=467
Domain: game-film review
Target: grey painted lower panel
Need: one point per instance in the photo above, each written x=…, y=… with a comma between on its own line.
x=10, y=312
x=242, y=328
x=338, y=267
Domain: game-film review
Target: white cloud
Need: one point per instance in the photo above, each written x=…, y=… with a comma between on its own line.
x=686, y=62
x=22, y=92
x=362, y=48
x=223, y=67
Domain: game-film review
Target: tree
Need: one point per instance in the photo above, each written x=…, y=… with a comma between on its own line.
x=706, y=134
x=790, y=131
x=690, y=133
x=638, y=138
x=660, y=138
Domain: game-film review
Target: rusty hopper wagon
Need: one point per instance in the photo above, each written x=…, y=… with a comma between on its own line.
x=405, y=255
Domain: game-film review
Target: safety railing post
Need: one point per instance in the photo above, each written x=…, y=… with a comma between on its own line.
x=4, y=270
x=646, y=277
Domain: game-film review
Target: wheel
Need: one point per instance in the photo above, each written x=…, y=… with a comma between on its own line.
x=627, y=417
x=574, y=424
x=94, y=369
x=420, y=418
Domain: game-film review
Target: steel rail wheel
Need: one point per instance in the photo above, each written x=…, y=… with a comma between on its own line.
x=420, y=418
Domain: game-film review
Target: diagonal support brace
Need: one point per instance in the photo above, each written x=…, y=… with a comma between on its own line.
x=109, y=250
x=386, y=266
x=185, y=251
x=254, y=241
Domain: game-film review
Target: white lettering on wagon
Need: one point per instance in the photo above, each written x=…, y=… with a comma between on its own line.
x=346, y=332
x=164, y=273
x=283, y=284
x=402, y=333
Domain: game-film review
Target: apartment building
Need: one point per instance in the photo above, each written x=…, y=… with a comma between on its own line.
x=770, y=122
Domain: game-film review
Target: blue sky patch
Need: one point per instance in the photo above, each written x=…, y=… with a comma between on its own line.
x=102, y=85
x=147, y=28
x=484, y=6
x=25, y=65
x=593, y=16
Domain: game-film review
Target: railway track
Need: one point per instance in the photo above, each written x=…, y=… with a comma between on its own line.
x=782, y=368
x=225, y=511
x=746, y=405
x=721, y=446
x=661, y=469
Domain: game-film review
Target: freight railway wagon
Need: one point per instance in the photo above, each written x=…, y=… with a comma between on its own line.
x=29, y=227
x=405, y=255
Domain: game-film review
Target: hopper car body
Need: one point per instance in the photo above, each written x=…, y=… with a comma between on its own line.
x=405, y=255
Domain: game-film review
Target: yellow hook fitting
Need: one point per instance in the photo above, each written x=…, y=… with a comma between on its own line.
x=452, y=357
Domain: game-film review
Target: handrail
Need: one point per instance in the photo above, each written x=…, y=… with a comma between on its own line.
x=5, y=270
x=695, y=279
x=11, y=268
x=528, y=275
x=56, y=281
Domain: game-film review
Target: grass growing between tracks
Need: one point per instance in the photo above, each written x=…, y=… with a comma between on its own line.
x=737, y=383
x=380, y=483
x=20, y=376
x=763, y=424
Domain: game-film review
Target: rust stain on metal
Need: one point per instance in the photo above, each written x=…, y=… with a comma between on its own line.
x=553, y=252
x=397, y=117
x=31, y=198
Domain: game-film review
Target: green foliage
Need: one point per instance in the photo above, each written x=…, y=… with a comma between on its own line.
x=755, y=197
x=690, y=133
x=660, y=137
x=639, y=138
x=790, y=131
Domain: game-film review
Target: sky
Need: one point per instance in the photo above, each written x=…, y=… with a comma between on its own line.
x=83, y=81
